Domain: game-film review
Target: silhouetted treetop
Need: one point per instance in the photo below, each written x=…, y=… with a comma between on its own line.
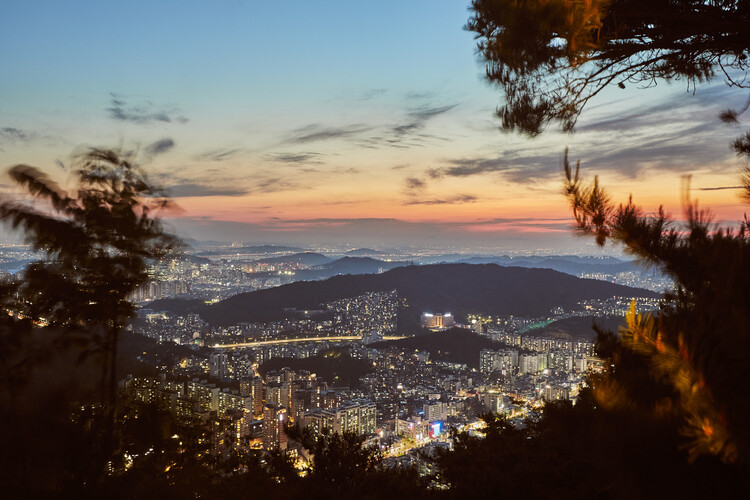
x=699, y=344
x=551, y=56
x=97, y=238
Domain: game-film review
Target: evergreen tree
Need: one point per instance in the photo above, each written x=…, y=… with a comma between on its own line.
x=96, y=241
x=699, y=344
x=550, y=57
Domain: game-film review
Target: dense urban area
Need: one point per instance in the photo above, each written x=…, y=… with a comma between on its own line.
x=344, y=366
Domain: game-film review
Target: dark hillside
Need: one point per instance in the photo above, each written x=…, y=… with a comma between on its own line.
x=457, y=288
x=455, y=345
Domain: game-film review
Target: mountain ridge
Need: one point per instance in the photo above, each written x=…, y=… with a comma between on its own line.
x=459, y=288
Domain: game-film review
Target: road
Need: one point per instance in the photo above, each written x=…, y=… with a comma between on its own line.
x=260, y=343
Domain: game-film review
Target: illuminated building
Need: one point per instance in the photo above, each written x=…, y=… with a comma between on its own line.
x=218, y=365
x=274, y=418
x=228, y=400
x=561, y=361
x=435, y=410
x=444, y=320
x=205, y=394
x=357, y=416
x=505, y=361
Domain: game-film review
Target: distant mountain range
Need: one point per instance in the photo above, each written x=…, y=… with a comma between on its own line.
x=348, y=265
x=457, y=288
x=257, y=249
x=301, y=258
x=323, y=266
x=364, y=252
x=569, y=264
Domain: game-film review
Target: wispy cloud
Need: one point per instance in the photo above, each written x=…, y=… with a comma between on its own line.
x=317, y=132
x=209, y=182
x=191, y=189
x=719, y=188
x=453, y=200
x=465, y=167
x=414, y=184
x=217, y=184
x=274, y=185
x=514, y=166
x=410, y=132
x=220, y=154
x=142, y=113
x=418, y=118
x=680, y=134
x=159, y=147
x=12, y=134
x=294, y=158
x=369, y=94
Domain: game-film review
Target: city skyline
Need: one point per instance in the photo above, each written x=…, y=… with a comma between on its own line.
x=338, y=123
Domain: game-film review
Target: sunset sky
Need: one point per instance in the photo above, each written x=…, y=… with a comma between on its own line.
x=342, y=122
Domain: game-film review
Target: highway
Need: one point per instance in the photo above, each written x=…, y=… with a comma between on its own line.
x=260, y=343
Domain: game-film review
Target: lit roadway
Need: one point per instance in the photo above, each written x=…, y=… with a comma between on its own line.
x=259, y=343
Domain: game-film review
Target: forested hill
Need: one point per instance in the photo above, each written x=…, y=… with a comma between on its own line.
x=456, y=288
x=455, y=345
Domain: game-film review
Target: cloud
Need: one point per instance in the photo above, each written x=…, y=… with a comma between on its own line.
x=407, y=134
x=222, y=184
x=410, y=132
x=434, y=173
x=700, y=107
x=273, y=185
x=12, y=134
x=369, y=94
x=159, y=147
x=418, y=118
x=219, y=154
x=425, y=113
x=681, y=133
x=305, y=157
x=414, y=184
x=191, y=189
x=453, y=200
x=205, y=184
x=344, y=170
x=472, y=166
x=143, y=113
x=417, y=95
x=668, y=148
x=316, y=133
x=719, y=188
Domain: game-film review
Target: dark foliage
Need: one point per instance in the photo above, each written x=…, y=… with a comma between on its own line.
x=343, y=466
x=97, y=241
x=580, y=451
x=455, y=345
x=550, y=57
x=335, y=367
x=699, y=343
x=578, y=327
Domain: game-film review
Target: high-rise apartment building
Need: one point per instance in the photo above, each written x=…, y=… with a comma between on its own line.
x=274, y=418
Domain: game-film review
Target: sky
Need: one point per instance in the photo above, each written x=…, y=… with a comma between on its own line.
x=343, y=123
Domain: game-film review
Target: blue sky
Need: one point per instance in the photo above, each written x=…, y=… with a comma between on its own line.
x=290, y=121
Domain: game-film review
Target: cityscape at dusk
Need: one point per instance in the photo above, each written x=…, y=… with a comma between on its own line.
x=429, y=249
